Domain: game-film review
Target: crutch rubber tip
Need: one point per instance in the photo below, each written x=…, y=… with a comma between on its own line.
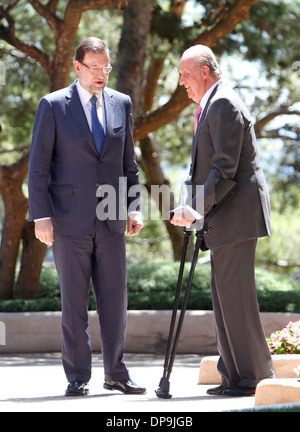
x=162, y=394
x=163, y=390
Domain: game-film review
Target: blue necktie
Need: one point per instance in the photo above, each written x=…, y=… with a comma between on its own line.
x=97, y=128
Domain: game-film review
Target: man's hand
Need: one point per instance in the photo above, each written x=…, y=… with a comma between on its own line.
x=44, y=231
x=182, y=217
x=135, y=224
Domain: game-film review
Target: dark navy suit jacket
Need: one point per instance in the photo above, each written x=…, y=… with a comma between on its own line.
x=65, y=170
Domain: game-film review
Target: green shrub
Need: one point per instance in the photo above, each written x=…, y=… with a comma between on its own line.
x=37, y=305
x=49, y=284
x=163, y=277
x=153, y=286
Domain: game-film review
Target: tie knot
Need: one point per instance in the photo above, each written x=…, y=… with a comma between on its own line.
x=94, y=100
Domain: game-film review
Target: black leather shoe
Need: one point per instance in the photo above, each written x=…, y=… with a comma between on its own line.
x=77, y=388
x=239, y=391
x=216, y=391
x=124, y=386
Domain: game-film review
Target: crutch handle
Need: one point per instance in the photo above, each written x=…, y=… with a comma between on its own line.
x=171, y=215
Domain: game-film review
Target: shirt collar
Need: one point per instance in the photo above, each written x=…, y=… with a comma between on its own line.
x=85, y=96
x=207, y=94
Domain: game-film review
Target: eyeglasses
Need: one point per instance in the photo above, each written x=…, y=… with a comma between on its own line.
x=106, y=69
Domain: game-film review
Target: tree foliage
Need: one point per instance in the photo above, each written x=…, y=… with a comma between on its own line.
x=147, y=38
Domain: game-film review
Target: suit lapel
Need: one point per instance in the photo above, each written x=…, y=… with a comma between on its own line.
x=77, y=111
x=109, y=104
x=202, y=118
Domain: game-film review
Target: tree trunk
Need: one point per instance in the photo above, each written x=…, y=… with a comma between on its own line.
x=12, y=177
x=133, y=81
x=133, y=50
x=154, y=174
x=16, y=205
x=33, y=251
x=31, y=263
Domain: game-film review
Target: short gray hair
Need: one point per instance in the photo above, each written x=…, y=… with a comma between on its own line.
x=203, y=56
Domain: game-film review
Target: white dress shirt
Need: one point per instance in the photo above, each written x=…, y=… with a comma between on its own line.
x=85, y=99
x=207, y=95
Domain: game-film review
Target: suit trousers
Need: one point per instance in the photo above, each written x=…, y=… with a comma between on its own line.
x=244, y=355
x=98, y=257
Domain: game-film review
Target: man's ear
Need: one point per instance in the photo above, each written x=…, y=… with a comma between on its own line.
x=76, y=65
x=205, y=71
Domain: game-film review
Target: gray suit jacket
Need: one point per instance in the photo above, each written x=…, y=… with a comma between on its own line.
x=224, y=147
x=65, y=170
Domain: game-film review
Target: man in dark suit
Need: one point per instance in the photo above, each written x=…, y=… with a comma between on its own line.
x=224, y=147
x=82, y=145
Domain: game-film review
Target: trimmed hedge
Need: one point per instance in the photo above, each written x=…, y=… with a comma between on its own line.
x=36, y=305
x=152, y=286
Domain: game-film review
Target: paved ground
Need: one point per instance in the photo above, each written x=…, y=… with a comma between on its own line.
x=36, y=383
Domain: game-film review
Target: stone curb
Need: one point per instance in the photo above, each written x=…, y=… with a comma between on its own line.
x=147, y=331
x=277, y=391
x=284, y=389
x=283, y=368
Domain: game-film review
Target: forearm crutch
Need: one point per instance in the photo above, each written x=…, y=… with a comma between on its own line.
x=164, y=385
x=224, y=193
